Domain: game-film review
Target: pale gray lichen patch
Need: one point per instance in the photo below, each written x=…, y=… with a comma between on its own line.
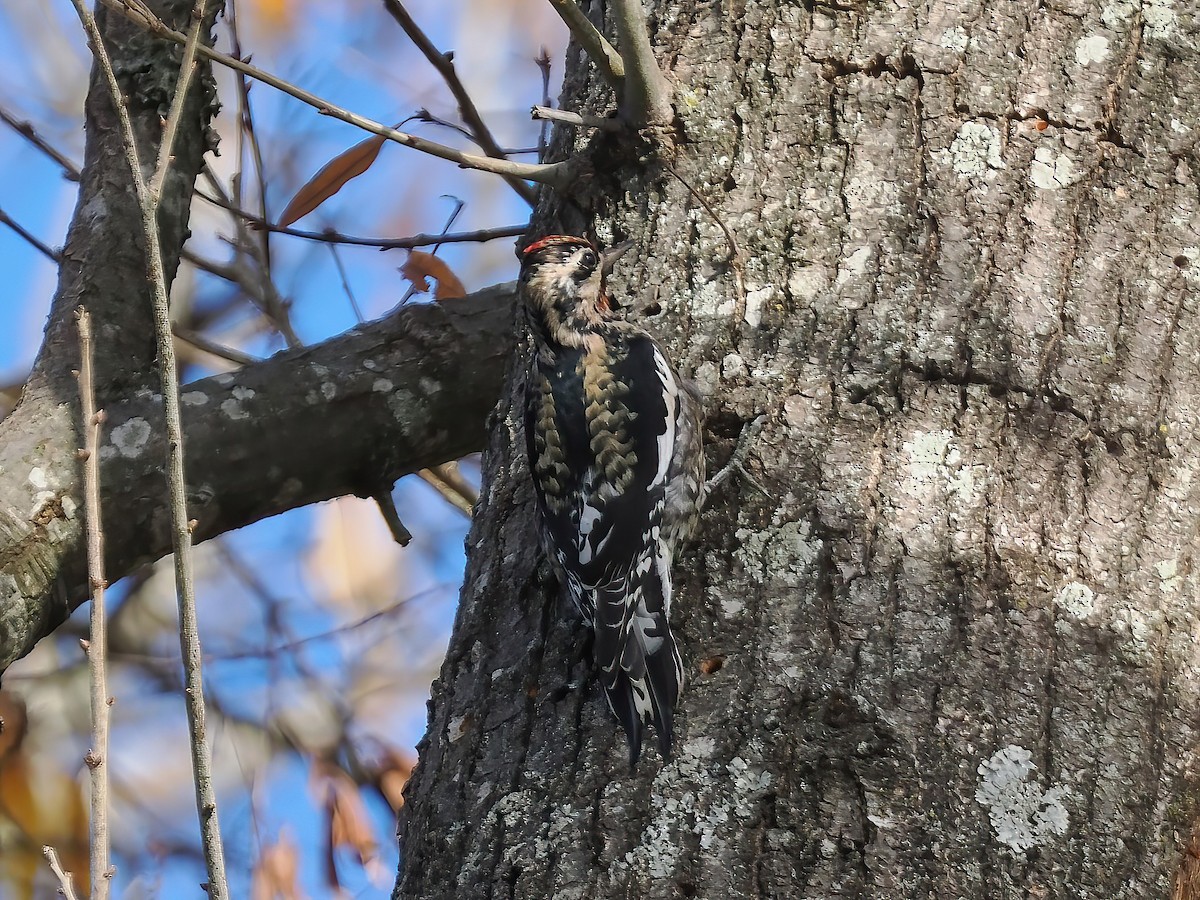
x=692, y=795
x=854, y=265
x=1160, y=19
x=1021, y=813
x=1050, y=171
x=381, y=386
x=933, y=460
x=755, y=301
x=1169, y=578
x=1076, y=600
x=974, y=150
x=1093, y=48
x=328, y=390
x=955, y=39
x=1135, y=631
x=784, y=552
x=233, y=409
x=194, y=398
x=129, y=438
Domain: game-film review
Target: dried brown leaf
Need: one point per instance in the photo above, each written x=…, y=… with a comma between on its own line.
x=275, y=873
x=332, y=178
x=393, y=775
x=420, y=267
x=349, y=823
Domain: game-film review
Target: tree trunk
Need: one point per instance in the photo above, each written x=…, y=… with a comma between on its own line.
x=948, y=648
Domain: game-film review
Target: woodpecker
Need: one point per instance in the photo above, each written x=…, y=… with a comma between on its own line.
x=614, y=441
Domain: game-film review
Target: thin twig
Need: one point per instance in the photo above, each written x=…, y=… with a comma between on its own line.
x=456, y=490
x=189, y=638
x=263, y=291
x=167, y=144
x=26, y=130
x=97, y=645
x=387, y=506
x=341, y=270
x=557, y=175
x=330, y=236
x=50, y=253
x=646, y=98
x=594, y=44
x=250, y=134
x=543, y=63
x=64, y=877
x=549, y=114
x=735, y=252
x=71, y=171
x=444, y=63
x=201, y=342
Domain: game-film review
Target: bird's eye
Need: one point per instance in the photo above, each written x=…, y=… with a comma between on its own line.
x=588, y=259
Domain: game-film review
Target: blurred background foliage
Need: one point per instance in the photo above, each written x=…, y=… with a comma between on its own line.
x=321, y=634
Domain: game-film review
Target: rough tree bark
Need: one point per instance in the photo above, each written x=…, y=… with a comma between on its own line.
x=950, y=651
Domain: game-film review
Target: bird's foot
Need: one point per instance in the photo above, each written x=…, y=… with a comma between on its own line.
x=741, y=450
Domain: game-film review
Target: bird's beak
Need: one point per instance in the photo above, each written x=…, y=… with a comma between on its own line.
x=609, y=257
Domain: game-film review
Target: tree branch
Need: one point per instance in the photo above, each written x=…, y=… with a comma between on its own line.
x=148, y=195
x=97, y=644
x=594, y=44
x=444, y=63
x=556, y=175
x=393, y=397
x=646, y=98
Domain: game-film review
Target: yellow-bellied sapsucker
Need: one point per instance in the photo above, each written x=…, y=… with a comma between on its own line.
x=615, y=451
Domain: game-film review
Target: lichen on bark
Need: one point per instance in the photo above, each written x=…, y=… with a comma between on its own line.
x=974, y=332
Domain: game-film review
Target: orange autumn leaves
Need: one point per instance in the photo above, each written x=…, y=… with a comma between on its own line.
x=331, y=178
x=40, y=804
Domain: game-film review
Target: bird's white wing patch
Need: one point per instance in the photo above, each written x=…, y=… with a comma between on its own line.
x=666, y=440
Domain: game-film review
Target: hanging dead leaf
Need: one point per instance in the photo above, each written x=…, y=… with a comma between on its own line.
x=348, y=821
x=275, y=873
x=332, y=178
x=420, y=267
x=40, y=803
x=393, y=775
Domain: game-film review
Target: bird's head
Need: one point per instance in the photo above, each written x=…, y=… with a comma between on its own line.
x=562, y=282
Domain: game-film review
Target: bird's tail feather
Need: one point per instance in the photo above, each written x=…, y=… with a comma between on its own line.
x=641, y=669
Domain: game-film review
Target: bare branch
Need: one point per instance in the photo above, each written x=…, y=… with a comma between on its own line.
x=186, y=68
x=26, y=130
x=64, y=877
x=549, y=114
x=200, y=342
x=556, y=175
x=543, y=63
x=97, y=645
x=50, y=253
x=392, y=397
x=646, y=98
x=444, y=63
x=594, y=44
x=189, y=638
x=330, y=236
x=455, y=489
x=387, y=508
